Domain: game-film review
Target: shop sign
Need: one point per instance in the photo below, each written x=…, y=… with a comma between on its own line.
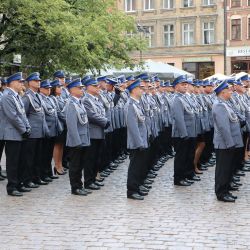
x=238, y=51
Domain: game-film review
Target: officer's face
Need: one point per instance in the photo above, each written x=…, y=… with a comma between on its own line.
x=16, y=85
x=240, y=89
x=58, y=90
x=103, y=85
x=76, y=91
x=208, y=89
x=45, y=91
x=137, y=92
x=226, y=93
x=62, y=80
x=110, y=87
x=181, y=87
x=94, y=89
x=34, y=84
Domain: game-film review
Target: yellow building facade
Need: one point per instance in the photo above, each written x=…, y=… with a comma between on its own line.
x=188, y=34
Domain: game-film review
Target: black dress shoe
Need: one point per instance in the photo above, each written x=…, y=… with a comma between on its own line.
x=135, y=196
x=142, y=193
x=103, y=174
x=79, y=192
x=47, y=179
x=40, y=182
x=233, y=196
x=202, y=168
x=153, y=172
x=151, y=176
x=156, y=168
x=23, y=189
x=15, y=193
x=53, y=177
x=1, y=178
x=226, y=198
x=100, y=179
x=31, y=185
x=143, y=188
x=112, y=164
x=93, y=187
x=3, y=175
x=240, y=173
x=147, y=186
x=238, y=184
x=245, y=169
x=182, y=183
x=100, y=184
x=112, y=168
x=148, y=182
x=189, y=181
x=234, y=188
x=196, y=178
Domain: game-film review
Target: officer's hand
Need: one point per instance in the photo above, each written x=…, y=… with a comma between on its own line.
x=107, y=124
x=117, y=91
x=28, y=131
x=25, y=135
x=242, y=124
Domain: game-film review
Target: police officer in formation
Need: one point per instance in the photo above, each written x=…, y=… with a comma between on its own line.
x=90, y=125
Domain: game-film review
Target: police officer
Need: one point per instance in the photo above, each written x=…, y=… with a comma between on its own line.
x=2, y=142
x=137, y=142
x=227, y=138
x=15, y=128
x=32, y=149
x=78, y=137
x=54, y=129
x=183, y=132
x=97, y=124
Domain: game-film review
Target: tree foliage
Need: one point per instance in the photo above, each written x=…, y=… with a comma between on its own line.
x=76, y=35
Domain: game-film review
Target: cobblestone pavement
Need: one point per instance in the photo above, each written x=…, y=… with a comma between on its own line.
x=169, y=218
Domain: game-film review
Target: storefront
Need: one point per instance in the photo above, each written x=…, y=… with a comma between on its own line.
x=239, y=59
x=200, y=67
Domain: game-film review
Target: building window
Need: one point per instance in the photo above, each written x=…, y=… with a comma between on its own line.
x=149, y=34
x=208, y=2
x=235, y=3
x=130, y=5
x=208, y=33
x=200, y=70
x=187, y=3
x=248, y=2
x=239, y=66
x=148, y=4
x=188, y=33
x=169, y=4
x=236, y=29
x=169, y=35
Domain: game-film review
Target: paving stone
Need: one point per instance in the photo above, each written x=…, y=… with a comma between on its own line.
x=170, y=217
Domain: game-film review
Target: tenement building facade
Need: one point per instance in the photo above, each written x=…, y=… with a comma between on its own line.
x=188, y=34
x=238, y=36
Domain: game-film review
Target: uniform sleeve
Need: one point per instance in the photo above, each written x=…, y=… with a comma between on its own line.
x=222, y=123
x=178, y=117
x=10, y=111
x=26, y=103
x=71, y=122
x=93, y=117
x=133, y=128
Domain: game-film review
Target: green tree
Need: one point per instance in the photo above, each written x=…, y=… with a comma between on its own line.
x=76, y=35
